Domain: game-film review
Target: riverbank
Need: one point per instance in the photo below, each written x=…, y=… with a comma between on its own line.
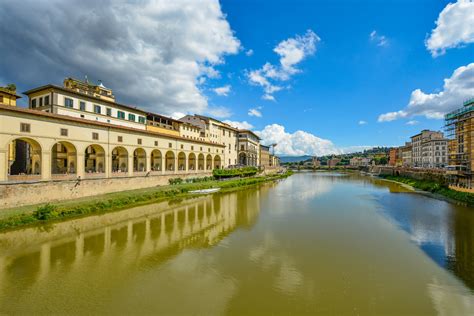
x=434, y=188
x=31, y=215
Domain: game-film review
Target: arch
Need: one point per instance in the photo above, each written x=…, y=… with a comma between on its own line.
x=24, y=157
x=119, y=159
x=209, y=162
x=156, y=160
x=181, y=161
x=217, y=162
x=169, y=161
x=243, y=159
x=63, y=158
x=192, y=162
x=94, y=159
x=139, y=160
x=201, y=162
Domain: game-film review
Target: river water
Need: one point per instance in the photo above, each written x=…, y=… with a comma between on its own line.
x=314, y=243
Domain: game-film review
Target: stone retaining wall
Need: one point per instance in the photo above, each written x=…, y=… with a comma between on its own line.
x=20, y=194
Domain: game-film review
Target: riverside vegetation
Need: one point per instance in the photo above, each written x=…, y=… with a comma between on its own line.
x=178, y=188
x=436, y=188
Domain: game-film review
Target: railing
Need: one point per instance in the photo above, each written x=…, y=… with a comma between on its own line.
x=24, y=177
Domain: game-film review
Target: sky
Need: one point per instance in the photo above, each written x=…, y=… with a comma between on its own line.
x=314, y=77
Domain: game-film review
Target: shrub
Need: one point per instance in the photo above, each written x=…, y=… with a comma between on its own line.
x=230, y=173
x=45, y=212
x=174, y=181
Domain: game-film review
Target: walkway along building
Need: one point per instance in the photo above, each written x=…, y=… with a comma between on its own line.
x=78, y=130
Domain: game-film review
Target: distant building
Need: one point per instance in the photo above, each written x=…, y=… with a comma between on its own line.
x=406, y=153
x=265, y=156
x=8, y=95
x=332, y=163
x=274, y=161
x=395, y=157
x=429, y=149
x=316, y=162
x=248, y=148
x=359, y=162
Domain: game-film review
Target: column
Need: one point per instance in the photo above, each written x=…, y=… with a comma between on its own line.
x=45, y=165
x=3, y=165
x=147, y=162
x=79, y=247
x=176, y=166
x=107, y=238
x=80, y=164
x=130, y=165
x=108, y=164
x=45, y=259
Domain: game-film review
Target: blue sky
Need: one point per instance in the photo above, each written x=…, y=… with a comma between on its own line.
x=347, y=82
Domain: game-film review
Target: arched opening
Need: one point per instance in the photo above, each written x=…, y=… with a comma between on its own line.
x=119, y=160
x=169, y=161
x=156, y=160
x=201, y=162
x=63, y=158
x=242, y=159
x=209, y=162
x=217, y=162
x=191, y=162
x=139, y=160
x=94, y=159
x=181, y=161
x=24, y=157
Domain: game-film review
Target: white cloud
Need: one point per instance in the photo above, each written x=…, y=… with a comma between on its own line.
x=219, y=112
x=412, y=122
x=153, y=53
x=239, y=125
x=297, y=143
x=456, y=89
x=249, y=52
x=362, y=122
x=380, y=40
x=291, y=51
x=454, y=28
x=222, y=91
x=255, y=112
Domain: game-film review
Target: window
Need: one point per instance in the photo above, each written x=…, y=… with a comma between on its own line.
x=82, y=105
x=141, y=120
x=82, y=116
x=121, y=115
x=46, y=100
x=209, y=149
x=109, y=112
x=40, y=101
x=170, y=145
x=64, y=132
x=97, y=109
x=200, y=149
x=156, y=143
x=95, y=136
x=69, y=103
x=192, y=147
x=33, y=103
x=131, y=117
x=25, y=128
x=1, y=98
x=139, y=141
x=182, y=146
x=119, y=139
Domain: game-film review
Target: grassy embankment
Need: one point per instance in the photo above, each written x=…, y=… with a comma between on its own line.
x=436, y=188
x=116, y=201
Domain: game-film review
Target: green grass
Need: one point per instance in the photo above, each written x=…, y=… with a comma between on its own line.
x=435, y=187
x=116, y=201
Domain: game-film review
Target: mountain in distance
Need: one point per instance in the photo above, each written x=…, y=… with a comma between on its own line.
x=284, y=159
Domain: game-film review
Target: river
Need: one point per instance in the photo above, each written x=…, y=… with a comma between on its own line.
x=314, y=243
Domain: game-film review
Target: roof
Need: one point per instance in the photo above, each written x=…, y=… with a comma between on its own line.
x=208, y=118
x=101, y=124
x=165, y=117
x=52, y=86
x=9, y=92
x=250, y=132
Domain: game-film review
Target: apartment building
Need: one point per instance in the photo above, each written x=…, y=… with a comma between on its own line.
x=406, y=154
x=359, y=162
x=429, y=150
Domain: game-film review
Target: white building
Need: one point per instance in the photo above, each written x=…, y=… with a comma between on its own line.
x=429, y=150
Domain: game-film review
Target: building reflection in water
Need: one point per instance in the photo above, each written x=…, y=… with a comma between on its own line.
x=129, y=237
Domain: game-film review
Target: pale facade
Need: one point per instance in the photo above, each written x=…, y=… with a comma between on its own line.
x=265, y=157
x=429, y=149
x=248, y=148
x=407, y=155
x=359, y=162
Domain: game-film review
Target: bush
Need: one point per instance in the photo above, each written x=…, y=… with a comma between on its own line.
x=230, y=173
x=174, y=181
x=45, y=212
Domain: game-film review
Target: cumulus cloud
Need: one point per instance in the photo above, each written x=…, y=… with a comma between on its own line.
x=362, y=122
x=219, y=112
x=412, y=122
x=456, y=89
x=297, y=143
x=239, y=125
x=153, y=53
x=291, y=51
x=222, y=91
x=255, y=112
x=379, y=40
x=454, y=28
x=249, y=52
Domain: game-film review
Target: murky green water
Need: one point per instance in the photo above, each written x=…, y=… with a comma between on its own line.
x=311, y=244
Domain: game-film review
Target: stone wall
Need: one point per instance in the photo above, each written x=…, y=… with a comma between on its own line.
x=20, y=194
x=418, y=174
